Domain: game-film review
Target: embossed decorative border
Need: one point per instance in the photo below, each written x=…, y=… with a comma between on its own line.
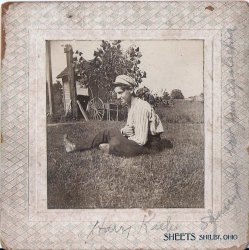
x=230, y=18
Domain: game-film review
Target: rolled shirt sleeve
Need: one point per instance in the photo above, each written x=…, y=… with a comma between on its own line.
x=141, y=126
x=127, y=123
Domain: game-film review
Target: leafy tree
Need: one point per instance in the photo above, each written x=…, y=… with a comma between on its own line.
x=58, y=99
x=142, y=91
x=57, y=102
x=109, y=62
x=176, y=94
x=165, y=95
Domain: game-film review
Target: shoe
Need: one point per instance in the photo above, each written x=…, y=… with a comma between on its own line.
x=104, y=147
x=69, y=146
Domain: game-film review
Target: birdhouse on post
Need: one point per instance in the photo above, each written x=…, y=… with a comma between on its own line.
x=72, y=86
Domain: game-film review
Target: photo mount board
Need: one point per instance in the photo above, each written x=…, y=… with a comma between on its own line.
x=25, y=221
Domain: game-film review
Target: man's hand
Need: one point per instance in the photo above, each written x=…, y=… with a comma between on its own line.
x=128, y=131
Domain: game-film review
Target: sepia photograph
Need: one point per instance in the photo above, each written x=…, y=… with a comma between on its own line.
x=125, y=124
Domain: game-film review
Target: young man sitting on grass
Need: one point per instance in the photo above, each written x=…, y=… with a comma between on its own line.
x=141, y=133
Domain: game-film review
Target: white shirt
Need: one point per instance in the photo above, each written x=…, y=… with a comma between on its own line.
x=144, y=120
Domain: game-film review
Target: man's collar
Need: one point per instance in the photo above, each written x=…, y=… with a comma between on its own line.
x=134, y=100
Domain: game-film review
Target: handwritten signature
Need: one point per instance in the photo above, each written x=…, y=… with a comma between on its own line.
x=145, y=226
x=231, y=170
x=212, y=218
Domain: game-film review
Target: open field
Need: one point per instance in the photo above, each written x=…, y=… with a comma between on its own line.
x=173, y=178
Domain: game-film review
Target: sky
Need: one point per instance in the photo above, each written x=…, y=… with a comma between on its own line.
x=169, y=64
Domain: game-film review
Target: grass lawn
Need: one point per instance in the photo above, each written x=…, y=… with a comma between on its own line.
x=173, y=178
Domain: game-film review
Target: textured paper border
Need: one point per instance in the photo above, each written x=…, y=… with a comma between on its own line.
x=230, y=18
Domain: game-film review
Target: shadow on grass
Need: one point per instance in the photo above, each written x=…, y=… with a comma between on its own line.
x=166, y=144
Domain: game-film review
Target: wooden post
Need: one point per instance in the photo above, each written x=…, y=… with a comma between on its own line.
x=72, y=86
x=83, y=111
x=49, y=79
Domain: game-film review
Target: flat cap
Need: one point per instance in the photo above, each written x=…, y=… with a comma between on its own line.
x=126, y=80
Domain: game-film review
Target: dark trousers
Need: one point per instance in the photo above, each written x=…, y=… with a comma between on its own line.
x=120, y=145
